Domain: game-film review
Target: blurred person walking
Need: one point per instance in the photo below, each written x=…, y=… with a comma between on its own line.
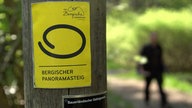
x=153, y=68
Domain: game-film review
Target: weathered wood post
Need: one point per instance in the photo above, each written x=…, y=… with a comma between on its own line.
x=72, y=79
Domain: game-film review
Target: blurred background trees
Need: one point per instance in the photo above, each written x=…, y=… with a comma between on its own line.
x=11, y=64
x=129, y=22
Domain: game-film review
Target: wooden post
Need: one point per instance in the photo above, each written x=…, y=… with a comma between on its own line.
x=52, y=98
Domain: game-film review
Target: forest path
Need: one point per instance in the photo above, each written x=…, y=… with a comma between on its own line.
x=132, y=91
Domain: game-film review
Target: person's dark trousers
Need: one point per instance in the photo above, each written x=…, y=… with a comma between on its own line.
x=159, y=80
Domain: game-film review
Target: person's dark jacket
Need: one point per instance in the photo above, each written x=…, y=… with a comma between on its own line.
x=154, y=63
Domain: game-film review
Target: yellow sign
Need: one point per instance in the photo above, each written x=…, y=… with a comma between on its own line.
x=61, y=44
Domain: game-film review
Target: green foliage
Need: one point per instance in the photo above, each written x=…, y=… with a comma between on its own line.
x=11, y=64
x=174, y=29
x=179, y=81
x=126, y=37
x=120, y=42
x=131, y=74
x=142, y=5
x=10, y=33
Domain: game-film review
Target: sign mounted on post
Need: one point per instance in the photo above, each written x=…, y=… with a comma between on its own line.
x=61, y=44
x=92, y=101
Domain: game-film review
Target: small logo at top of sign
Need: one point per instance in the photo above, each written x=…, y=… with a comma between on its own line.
x=61, y=56
x=74, y=12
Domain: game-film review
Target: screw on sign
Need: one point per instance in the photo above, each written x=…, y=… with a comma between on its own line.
x=64, y=56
